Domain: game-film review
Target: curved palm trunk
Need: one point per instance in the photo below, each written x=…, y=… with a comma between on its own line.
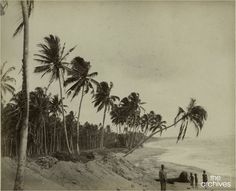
x=151, y=135
x=19, y=180
x=103, y=123
x=78, y=123
x=63, y=116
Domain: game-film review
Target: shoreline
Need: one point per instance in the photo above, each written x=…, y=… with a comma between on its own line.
x=148, y=158
x=137, y=171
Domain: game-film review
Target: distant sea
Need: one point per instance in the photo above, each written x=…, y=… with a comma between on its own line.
x=215, y=155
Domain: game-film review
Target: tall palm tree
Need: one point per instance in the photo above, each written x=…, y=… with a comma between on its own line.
x=132, y=107
x=55, y=109
x=39, y=103
x=82, y=81
x=6, y=80
x=26, y=7
x=194, y=114
x=118, y=117
x=71, y=126
x=104, y=99
x=14, y=114
x=52, y=59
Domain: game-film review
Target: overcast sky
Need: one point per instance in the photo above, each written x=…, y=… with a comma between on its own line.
x=166, y=51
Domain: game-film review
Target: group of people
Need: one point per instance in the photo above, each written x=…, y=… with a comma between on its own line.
x=193, y=178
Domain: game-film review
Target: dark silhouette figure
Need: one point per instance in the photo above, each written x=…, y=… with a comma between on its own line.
x=191, y=179
x=204, y=179
x=196, y=180
x=163, y=178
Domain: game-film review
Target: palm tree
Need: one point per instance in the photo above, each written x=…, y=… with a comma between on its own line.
x=71, y=126
x=151, y=122
x=82, y=81
x=26, y=7
x=52, y=59
x=6, y=80
x=118, y=117
x=132, y=107
x=13, y=114
x=39, y=103
x=55, y=108
x=103, y=99
x=195, y=114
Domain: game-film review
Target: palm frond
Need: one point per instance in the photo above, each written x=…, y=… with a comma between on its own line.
x=180, y=112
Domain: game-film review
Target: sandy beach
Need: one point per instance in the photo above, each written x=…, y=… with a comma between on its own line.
x=137, y=171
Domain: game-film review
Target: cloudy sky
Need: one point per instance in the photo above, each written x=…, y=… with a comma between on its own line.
x=166, y=51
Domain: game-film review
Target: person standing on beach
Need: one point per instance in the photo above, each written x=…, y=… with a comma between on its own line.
x=163, y=178
x=196, y=180
x=204, y=179
x=191, y=179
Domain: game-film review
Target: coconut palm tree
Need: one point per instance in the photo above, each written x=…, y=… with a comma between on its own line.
x=55, y=109
x=104, y=99
x=6, y=80
x=13, y=114
x=150, y=122
x=118, y=117
x=82, y=81
x=52, y=59
x=194, y=114
x=71, y=126
x=39, y=106
x=26, y=7
x=132, y=107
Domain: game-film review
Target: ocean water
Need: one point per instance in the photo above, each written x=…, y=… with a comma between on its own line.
x=215, y=155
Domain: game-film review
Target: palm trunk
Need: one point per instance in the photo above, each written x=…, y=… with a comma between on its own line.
x=45, y=137
x=63, y=116
x=17, y=134
x=54, y=138
x=103, y=123
x=19, y=180
x=151, y=135
x=134, y=137
x=78, y=123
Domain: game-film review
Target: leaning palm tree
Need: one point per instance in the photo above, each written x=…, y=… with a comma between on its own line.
x=82, y=81
x=26, y=7
x=104, y=99
x=6, y=80
x=52, y=59
x=194, y=114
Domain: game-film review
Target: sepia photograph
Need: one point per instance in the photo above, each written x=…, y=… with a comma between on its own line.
x=117, y=95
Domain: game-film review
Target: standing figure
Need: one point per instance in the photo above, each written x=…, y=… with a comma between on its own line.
x=163, y=178
x=191, y=179
x=204, y=179
x=196, y=180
